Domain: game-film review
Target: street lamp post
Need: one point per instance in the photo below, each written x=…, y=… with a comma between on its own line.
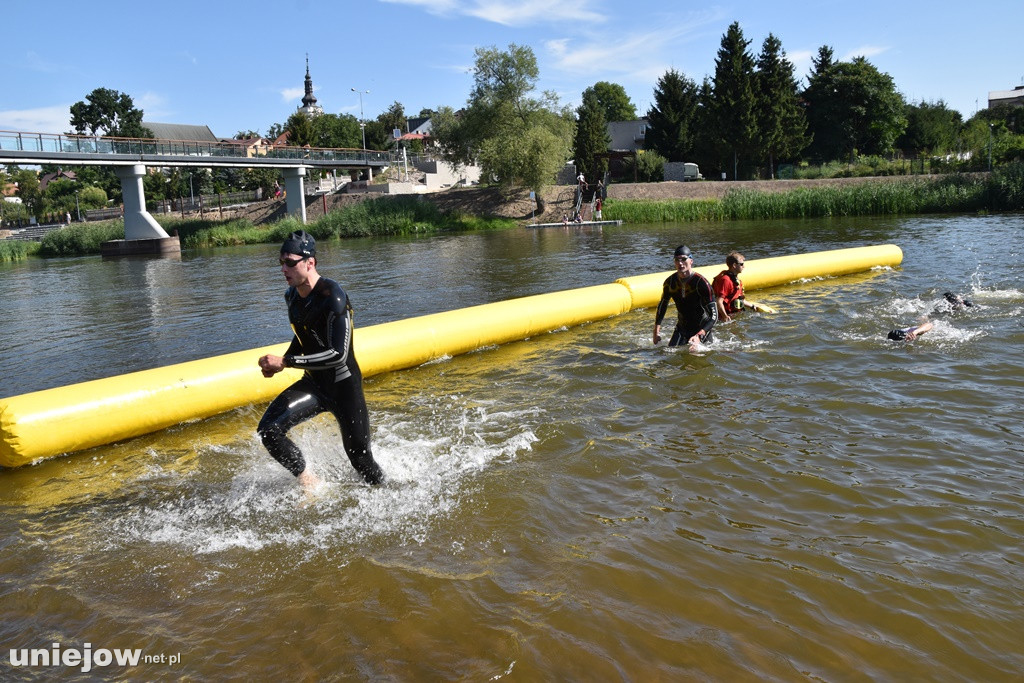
x=362, y=123
x=78, y=209
x=191, y=192
x=990, y=147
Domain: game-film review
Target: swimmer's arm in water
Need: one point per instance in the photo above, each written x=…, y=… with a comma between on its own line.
x=918, y=331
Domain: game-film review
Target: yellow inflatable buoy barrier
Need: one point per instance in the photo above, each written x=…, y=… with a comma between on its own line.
x=62, y=420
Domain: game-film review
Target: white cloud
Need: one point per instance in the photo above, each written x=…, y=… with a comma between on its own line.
x=153, y=105
x=627, y=54
x=802, y=62
x=865, y=51
x=290, y=94
x=53, y=119
x=521, y=13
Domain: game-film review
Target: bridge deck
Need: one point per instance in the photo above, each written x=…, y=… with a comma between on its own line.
x=82, y=150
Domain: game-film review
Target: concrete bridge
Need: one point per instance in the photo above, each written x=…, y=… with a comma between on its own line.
x=130, y=156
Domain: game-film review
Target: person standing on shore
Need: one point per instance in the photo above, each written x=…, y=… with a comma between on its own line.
x=695, y=303
x=321, y=318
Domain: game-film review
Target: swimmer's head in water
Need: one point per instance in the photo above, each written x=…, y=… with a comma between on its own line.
x=898, y=335
x=300, y=243
x=956, y=300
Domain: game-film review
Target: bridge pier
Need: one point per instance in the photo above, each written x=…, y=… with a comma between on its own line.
x=138, y=223
x=142, y=234
x=294, y=187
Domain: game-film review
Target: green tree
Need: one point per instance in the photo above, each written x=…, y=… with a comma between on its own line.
x=705, y=148
x=389, y=120
x=520, y=141
x=932, y=128
x=378, y=134
x=613, y=100
x=336, y=130
x=110, y=113
x=782, y=128
x=732, y=101
x=821, y=106
x=59, y=195
x=852, y=108
x=647, y=166
x=28, y=190
x=261, y=179
x=91, y=197
x=275, y=130
x=670, y=119
x=300, y=130
x=592, y=140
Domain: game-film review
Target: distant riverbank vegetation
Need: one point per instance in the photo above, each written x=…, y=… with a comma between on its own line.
x=1002, y=190
x=383, y=216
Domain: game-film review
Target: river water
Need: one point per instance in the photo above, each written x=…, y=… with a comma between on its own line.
x=803, y=501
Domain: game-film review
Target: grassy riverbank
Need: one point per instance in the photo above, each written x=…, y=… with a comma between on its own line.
x=403, y=215
x=1003, y=190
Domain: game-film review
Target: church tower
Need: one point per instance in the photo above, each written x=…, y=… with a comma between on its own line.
x=309, y=106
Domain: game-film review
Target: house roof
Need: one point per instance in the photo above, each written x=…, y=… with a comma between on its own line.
x=419, y=124
x=181, y=131
x=48, y=178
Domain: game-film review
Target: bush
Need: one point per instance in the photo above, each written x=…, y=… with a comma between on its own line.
x=17, y=250
x=81, y=238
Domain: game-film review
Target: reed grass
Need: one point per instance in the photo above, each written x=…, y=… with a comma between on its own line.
x=1003, y=190
x=369, y=218
x=17, y=250
x=81, y=238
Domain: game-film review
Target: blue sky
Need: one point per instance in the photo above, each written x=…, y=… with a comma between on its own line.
x=240, y=65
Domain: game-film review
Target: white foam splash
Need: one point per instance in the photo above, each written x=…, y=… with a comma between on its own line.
x=431, y=455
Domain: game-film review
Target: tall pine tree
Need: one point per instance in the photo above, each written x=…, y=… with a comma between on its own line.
x=820, y=107
x=733, y=100
x=591, y=139
x=780, y=120
x=670, y=118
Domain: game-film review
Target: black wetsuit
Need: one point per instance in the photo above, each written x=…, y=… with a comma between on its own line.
x=322, y=346
x=695, y=303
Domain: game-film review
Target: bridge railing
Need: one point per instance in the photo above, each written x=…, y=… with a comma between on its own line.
x=16, y=141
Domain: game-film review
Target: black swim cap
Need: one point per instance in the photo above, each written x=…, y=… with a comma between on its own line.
x=683, y=250
x=956, y=299
x=898, y=335
x=300, y=243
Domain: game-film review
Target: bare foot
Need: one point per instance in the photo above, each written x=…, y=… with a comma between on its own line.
x=309, y=481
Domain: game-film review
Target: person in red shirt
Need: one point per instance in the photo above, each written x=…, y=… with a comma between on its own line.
x=728, y=288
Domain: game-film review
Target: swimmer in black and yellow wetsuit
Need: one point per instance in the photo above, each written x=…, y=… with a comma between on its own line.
x=321, y=319
x=694, y=300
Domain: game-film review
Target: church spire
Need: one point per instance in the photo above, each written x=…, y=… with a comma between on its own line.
x=309, y=105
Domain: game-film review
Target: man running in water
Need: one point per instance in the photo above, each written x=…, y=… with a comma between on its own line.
x=728, y=288
x=695, y=303
x=321, y=318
